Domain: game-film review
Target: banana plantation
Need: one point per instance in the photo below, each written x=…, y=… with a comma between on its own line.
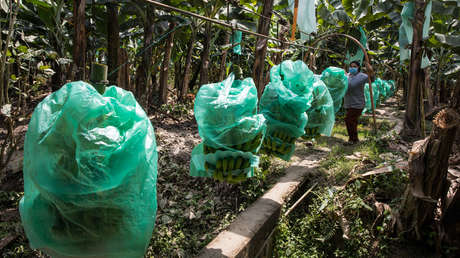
x=229, y=128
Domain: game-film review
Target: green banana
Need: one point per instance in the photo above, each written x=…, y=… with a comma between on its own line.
x=231, y=164
x=288, y=149
x=206, y=166
x=273, y=145
x=241, y=177
x=245, y=164
x=229, y=177
x=282, y=136
x=224, y=166
x=282, y=148
x=238, y=163
x=218, y=176
x=219, y=164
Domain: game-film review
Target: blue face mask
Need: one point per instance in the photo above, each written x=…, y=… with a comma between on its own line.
x=353, y=70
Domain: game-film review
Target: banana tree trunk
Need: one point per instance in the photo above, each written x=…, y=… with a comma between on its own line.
x=223, y=60
x=178, y=78
x=79, y=40
x=113, y=41
x=123, y=76
x=437, y=85
x=143, y=71
x=4, y=76
x=188, y=65
x=204, y=75
x=428, y=164
x=413, y=115
x=443, y=92
x=165, y=66
x=261, y=47
x=428, y=91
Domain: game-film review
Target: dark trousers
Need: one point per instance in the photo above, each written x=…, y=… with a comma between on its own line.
x=351, y=120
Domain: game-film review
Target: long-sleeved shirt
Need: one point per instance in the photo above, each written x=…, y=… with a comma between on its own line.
x=354, y=98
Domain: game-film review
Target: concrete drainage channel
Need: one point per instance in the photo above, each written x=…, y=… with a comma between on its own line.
x=250, y=234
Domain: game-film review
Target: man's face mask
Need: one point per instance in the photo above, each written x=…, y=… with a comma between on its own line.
x=353, y=70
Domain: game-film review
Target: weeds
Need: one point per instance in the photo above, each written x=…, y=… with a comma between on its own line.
x=346, y=220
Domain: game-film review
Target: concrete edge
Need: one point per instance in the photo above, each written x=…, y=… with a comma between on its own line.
x=246, y=235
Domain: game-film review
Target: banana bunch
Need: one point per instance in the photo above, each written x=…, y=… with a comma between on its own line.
x=224, y=167
x=249, y=146
x=312, y=132
x=270, y=145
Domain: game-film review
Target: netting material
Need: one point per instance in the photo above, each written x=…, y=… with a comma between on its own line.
x=228, y=123
x=367, y=97
x=321, y=115
x=337, y=84
x=90, y=166
x=382, y=90
x=283, y=103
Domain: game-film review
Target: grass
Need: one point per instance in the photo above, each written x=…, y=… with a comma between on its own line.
x=316, y=228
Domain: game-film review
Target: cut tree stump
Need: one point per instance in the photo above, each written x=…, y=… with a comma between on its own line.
x=424, y=202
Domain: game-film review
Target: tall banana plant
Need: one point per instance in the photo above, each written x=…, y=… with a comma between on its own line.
x=51, y=18
x=444, y=46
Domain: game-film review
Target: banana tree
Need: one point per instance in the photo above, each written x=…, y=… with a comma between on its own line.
x=261, y=47
x=4, y=78
x=51, y=18
x=444, y=46
x=79, y=38
x=210, y=9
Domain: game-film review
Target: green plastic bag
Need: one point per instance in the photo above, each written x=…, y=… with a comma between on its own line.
x=367, y=97
x=321, y=115
x=306, y=17
x=359, y=54
x=284, y=102
x=337, y=84
x=406, y=31
x=387, y=89
x=228, y=123
x=90, y=168
x=382, y=90
x=392, y=87
x=237, y=36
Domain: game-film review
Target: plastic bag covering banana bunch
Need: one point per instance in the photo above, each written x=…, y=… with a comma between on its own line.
x=231, y=129
x=382, y=91
x=283, y=103
x=387, y=88
x=321, y=115
x=337, y=84
x=367, y=97
x=392, y=87
x=90, y=168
